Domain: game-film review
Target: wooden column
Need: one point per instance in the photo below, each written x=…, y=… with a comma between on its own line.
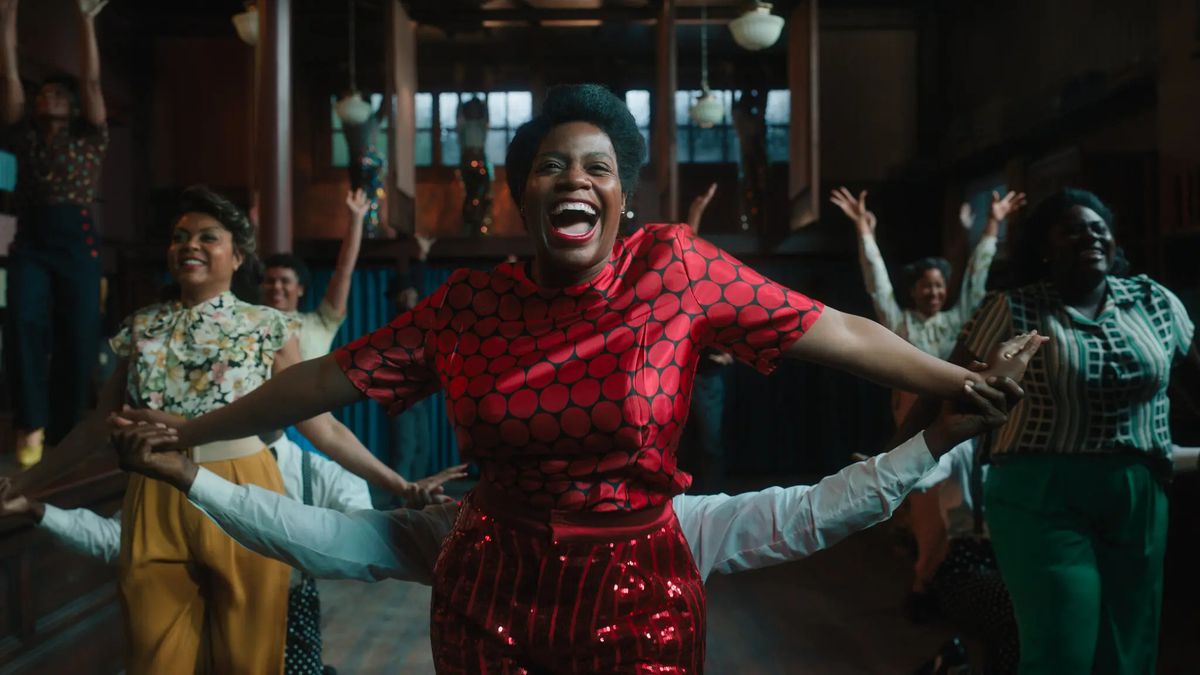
x=666, y=169
x=402, y=83
x=804, y=177
x=274, y=114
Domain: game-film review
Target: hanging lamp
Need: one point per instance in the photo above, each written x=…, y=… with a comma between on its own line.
x=757, y=28
x=707, y=110
x=352, y=109
x=246, y=24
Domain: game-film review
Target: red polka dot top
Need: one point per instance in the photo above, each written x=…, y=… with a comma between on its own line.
x=574, y=398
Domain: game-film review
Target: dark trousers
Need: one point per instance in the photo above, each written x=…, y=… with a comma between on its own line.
x=53, y=325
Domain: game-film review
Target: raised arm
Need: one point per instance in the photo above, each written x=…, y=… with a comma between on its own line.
x=974, y=277
x=90, y=95
x=698, y=206
x=343, y=273
x=874, y=270
x=12, y=107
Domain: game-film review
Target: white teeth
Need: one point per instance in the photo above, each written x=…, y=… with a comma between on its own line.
x=572, y=206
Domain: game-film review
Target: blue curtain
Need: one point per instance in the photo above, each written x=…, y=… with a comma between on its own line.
x=368, y=308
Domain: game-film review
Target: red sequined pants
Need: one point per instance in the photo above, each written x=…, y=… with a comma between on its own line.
x=582, y=593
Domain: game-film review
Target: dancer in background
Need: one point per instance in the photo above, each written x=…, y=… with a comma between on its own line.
x=927, y=324
x=1075, y=499
x=189, y=594
x=53, y=325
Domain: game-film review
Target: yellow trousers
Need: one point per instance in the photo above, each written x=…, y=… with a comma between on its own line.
x=194, y=600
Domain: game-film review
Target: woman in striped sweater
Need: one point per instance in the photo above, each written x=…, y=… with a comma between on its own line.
x=1075, y=498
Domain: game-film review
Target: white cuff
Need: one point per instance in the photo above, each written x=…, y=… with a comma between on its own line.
x=910, y=460
x=210, y=489
x=55, y=519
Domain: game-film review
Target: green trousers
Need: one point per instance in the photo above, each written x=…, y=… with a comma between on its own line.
x=1080, y=542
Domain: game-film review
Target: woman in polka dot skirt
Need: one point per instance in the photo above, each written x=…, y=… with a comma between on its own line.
x=568, y=380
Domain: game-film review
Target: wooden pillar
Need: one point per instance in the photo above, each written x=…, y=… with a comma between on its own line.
x=402, y=123
x=804, y=177
x=274, y=115
x=666, y=169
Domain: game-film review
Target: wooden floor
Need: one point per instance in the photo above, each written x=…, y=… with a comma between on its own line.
x=837, y=613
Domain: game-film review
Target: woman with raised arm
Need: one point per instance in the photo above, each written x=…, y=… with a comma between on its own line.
x=53, y=322
x=926, y=323
x=568, y=380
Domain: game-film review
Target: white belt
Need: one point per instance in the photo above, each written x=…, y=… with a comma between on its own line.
x=226, y=450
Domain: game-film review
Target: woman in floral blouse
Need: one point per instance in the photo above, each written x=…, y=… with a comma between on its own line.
x=190, y=594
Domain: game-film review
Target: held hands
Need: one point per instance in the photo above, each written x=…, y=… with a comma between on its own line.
x=358, y=204
x=855, y=209
x=13, y=504
x=985, y=407
x=152, y=450
x=699, y=204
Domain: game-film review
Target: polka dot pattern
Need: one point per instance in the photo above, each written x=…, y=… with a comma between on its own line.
x=574, y=398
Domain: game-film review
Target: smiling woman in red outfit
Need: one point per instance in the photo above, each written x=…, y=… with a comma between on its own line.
x=568, y=380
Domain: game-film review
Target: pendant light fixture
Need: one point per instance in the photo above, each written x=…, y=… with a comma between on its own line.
x=352, y=109
x=707, y=110
x=246, y=24
x=757, y=28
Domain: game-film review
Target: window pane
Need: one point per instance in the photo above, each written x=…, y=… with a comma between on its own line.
x=520, y=108
x=448, y=111
x=683, y=147
x=424, y=110
x=497, y=146
x=451, y=154
x=709, y=145
x=638, y=101
x=341, y=152
x=423, y=148
x=777, y=144
x=335, y=122
x=683, y=103
x=779, y=106
x=497, y=107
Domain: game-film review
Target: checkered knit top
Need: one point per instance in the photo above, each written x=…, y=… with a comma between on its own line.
x=1099, y=385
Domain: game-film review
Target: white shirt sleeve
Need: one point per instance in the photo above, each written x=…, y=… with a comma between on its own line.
x=365, y=545
x=85, y=531
x=336, y=488
x=974, y=283
x=879, y=285
x=758, y=529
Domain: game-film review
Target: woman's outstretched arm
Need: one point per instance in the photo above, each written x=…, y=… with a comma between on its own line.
x=304, y=390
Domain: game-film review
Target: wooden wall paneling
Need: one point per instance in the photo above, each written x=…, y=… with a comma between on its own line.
x=804, y=183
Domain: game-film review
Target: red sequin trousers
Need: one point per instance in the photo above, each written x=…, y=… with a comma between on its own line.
x=566, y=592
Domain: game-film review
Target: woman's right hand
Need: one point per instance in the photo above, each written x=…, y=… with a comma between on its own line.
x=855, y=209
x=153, y=451
x=431, y=489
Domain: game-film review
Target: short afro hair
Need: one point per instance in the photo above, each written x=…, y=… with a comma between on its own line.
x=913, y=271
x=1028, y=263
x=591, y=103
x=292, y=262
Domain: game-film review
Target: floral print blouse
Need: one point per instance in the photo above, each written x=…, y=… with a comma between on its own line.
x=193, y=360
